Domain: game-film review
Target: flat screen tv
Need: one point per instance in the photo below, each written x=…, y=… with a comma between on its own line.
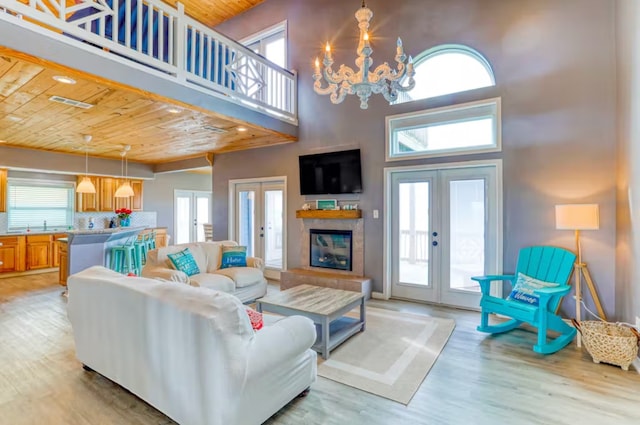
x=330, y=173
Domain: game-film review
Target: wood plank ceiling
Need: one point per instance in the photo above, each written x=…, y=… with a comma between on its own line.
x=212, y=12
x=119, y=116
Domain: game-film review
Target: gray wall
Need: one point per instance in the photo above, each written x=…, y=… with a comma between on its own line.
x=628, y=246
x=159, y=194
x=554, y=62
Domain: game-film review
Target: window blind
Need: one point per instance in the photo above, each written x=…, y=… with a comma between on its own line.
x=30, y=203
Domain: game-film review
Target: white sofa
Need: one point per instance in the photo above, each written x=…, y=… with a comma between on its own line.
x=189, y=352
x=246, y=283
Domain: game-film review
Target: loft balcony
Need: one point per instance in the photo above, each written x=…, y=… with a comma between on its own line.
x=155, y=49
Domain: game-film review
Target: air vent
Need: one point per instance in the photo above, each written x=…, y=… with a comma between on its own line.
x=70, y=102
x=214, y=129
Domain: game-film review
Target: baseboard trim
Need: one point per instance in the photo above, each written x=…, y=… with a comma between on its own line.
x=28, y=272
x=379, y=296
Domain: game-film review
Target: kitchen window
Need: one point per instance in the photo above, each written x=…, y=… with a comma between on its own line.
x=32, y=202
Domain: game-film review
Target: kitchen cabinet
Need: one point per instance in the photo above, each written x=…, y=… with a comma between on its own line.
x=107, y=188
x=3, y=190
x=136, y=199
x=87, y=202
x=12, y=253
x=104, y=200
x=63, y=260
x=55, y=249
x=39, y=252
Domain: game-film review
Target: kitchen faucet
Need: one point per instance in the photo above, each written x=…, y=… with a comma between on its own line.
x=45, y=225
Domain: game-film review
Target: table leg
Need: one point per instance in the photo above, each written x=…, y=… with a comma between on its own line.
x=325, y=338
x=362, y=315
x=258, y=306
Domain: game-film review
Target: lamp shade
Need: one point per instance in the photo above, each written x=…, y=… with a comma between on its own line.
x=86, y=186
x=124, y=191
x=577, y=217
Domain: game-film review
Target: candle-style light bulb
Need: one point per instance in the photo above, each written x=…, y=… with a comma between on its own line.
x=317, y=63
x=366, y=36
x=327, y=48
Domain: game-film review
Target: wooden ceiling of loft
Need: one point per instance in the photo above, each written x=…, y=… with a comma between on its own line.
x=120, y=116
x=212, y=12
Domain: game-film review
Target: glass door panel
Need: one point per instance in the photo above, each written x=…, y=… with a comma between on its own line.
x=203, y=205
x=273, y=237
x=183, y=218
x=247, y=220
x=414, y=233
x=467, y=232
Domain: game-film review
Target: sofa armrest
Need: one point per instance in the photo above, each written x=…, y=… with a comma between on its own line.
x=281, y=341
x=164, y=273
x=255, y=262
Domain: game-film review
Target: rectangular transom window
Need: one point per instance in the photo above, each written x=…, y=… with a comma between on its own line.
x=31, y=202
x=452, y=130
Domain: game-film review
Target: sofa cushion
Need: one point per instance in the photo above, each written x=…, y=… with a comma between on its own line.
x=184, y=262
x=242, y=276
x=214, y=281
x=160, y=256
x=234, y=256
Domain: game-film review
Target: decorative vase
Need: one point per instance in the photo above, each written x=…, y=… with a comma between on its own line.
x=125, y=222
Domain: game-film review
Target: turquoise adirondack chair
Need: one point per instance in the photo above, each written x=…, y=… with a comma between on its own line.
x=546, y=263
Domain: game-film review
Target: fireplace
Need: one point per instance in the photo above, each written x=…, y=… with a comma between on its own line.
x=330, y=249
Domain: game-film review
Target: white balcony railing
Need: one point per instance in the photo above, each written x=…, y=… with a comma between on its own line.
x=154, y=34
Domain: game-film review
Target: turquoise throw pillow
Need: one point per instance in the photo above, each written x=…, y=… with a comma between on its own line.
x=523, y=290
x=234, y=256
x=184, y=262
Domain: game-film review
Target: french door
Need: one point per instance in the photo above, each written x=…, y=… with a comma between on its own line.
x=192, y=210
x=443, y=228
x=258, y=220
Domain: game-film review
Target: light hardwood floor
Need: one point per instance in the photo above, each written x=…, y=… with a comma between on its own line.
x=477, y=379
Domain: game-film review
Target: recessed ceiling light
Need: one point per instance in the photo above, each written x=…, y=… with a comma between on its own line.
x=242, y=128
x=174, y=110
x=63, y=79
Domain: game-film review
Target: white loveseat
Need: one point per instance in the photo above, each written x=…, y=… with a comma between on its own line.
x=246, y=283
x=189, y=352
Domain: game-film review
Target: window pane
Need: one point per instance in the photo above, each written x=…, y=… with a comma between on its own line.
x=445, y=70
x=467, y=221
x=275, y=51
x=464, y=128
x=30, y=204
x=440, y=137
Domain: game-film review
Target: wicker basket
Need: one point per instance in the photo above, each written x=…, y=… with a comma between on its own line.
x=609, y=343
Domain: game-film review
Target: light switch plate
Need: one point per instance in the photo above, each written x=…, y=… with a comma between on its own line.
x=376, y=214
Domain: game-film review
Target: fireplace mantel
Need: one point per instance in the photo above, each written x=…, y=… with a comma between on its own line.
x=330, y=214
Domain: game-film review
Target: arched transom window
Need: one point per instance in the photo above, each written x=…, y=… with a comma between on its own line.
x=448, y=69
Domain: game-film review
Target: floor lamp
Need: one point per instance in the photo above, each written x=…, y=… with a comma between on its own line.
x=578, y=217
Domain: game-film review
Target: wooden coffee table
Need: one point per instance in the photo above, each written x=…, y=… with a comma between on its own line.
x=325, y=306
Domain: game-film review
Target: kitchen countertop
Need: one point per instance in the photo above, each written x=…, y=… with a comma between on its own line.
x=75, y=231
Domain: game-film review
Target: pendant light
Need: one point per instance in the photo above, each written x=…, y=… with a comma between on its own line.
x=86, y=185
x=125, y=190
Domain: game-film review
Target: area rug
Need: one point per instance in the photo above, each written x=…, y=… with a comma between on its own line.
x=392, y=356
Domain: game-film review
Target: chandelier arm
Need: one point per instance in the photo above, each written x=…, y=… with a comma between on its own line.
x=317, y=87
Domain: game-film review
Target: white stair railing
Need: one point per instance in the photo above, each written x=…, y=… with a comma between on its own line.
x=151, y=33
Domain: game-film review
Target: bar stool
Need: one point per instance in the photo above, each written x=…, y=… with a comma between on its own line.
x=124, y=258
x=151, y=241
x=142, y=247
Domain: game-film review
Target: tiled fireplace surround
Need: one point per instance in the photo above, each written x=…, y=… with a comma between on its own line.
x=353, y=280
x=357, y=243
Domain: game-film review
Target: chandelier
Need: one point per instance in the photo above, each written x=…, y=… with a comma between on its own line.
x=383, y=79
